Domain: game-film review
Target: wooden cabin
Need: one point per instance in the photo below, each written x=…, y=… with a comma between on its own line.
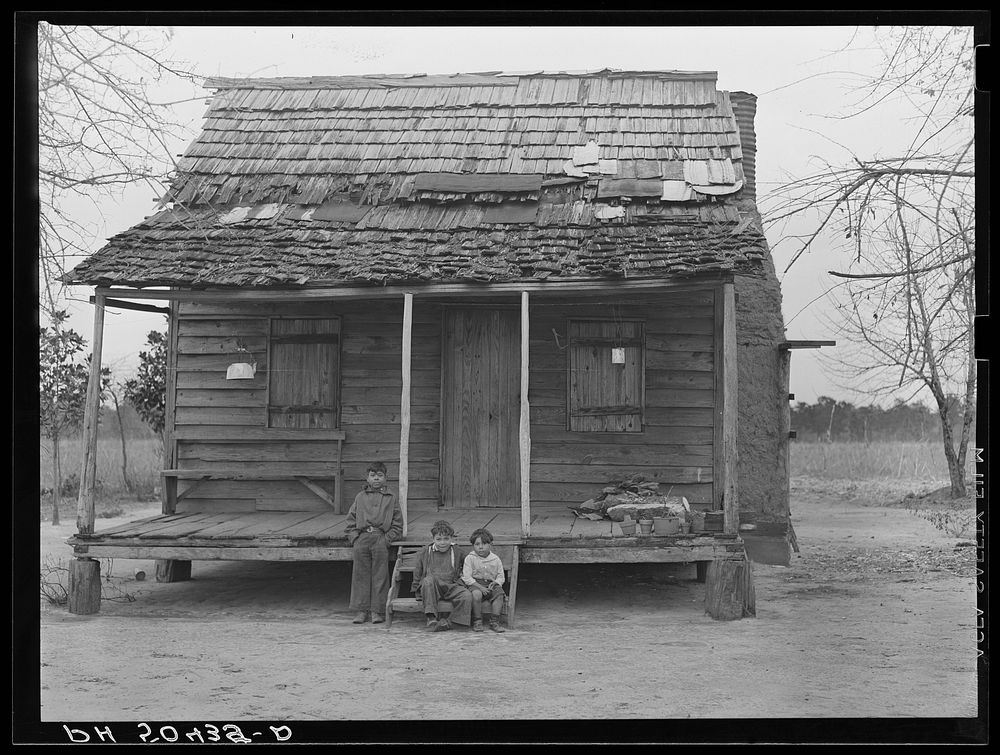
x=515, y=290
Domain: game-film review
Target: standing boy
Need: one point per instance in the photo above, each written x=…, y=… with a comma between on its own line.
x=374, y=521
x=482, y=574
x=437, y=576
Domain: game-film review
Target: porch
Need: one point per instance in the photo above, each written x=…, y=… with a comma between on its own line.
x=175, y=540
x=422, y=388
x=319, y=536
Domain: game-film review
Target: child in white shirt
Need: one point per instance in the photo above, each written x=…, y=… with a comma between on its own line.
x=482, y=574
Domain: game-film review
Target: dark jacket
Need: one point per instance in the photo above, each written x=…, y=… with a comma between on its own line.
x=449, y=570
x=378, y=508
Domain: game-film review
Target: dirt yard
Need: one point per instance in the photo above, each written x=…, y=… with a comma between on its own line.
x=875, y=617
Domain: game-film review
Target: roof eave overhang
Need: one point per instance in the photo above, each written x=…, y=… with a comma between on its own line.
x=561, y=287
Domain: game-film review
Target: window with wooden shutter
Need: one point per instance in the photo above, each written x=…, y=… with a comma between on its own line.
x=606, y=365
x=304, y=377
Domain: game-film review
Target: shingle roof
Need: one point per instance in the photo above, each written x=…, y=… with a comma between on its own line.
x=468, y=177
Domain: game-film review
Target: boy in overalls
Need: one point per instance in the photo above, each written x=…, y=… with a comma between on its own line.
x=437, y=576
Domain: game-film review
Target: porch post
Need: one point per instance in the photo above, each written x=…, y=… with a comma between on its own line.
x=168, y=493
x=84, y=574
x=404, y=410
x=726, y=408
x=524, y=432
x=88, y=473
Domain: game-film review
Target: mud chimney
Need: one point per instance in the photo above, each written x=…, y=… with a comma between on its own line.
x=745, y=108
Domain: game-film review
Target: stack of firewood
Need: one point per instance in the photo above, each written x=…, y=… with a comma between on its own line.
x=635, y=497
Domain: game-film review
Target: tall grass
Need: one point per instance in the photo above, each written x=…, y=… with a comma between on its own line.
x=893, y=460
x=144, y=464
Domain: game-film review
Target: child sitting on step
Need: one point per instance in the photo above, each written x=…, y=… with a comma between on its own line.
x=483, y=576
x=437, y=576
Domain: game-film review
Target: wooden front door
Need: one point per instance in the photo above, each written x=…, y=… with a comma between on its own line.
x=480, y=408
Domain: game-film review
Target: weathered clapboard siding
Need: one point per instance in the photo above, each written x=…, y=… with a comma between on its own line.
x=676, y=443
x=216, y=380
x=224, y=397
x=425, y=432
x=371, y=384
x=252, y=326
x=598, y=474
x=215, y=362
x=366, y=395
x=680, y=380
x=203, y=454
x=675, y=446
x=224, y=344
x=255, y=491
x=255, y=416
x=647, y=456
x=215, y=505
x=221, y=411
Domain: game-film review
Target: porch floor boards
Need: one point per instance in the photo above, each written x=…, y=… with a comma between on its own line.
x=307, y=526
x=319, y=535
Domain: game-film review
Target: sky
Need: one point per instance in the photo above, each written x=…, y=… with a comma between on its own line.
x=801, y=75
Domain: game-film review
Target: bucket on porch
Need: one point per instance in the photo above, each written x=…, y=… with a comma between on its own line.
x=666, y=525
x=697, y=521
x=627, y=526
x=713, y=521
x=645, y=526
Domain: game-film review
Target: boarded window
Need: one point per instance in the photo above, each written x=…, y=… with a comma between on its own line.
x=304, y=375
x=605, y=383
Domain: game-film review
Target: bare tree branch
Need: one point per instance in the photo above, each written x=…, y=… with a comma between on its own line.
x=904, y=225
x=100, y=129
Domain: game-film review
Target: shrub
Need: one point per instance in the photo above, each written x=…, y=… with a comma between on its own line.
x=54, y=582
x=70, y=486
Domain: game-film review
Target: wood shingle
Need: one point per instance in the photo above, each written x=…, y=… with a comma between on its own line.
x=275, y=153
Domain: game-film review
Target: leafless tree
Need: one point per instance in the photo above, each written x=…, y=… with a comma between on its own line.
x=115, y=390
x=914, y=331
x=100, y=129
x=904, y=230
